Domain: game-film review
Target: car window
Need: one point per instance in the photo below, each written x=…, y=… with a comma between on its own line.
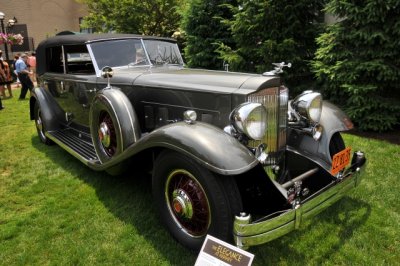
x=118, y=53
x=78, y=60
x=54, y=61
x=163, y=52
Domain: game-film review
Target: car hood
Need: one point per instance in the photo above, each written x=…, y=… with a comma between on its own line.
x=204, y=80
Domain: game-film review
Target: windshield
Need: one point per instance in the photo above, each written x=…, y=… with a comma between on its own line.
x=163, y=52
x=130, y=52
x=119, y=53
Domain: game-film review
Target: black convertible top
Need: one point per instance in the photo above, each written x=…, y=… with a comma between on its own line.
x=86, y=38
x=74, y=39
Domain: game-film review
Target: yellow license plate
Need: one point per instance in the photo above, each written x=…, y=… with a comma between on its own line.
x=340, y=160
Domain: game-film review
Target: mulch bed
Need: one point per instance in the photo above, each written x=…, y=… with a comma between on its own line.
x=391, y=136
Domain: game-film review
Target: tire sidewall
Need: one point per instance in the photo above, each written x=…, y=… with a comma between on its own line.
x=41, y=133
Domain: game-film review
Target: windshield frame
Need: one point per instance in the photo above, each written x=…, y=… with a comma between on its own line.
x=148, y=62
x=172, y=44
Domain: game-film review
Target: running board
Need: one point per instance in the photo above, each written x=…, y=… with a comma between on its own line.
x=72, y=142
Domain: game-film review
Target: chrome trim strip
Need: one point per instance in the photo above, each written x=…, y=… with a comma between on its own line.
x=95, y=65
x=145, y=51
x=63, y=58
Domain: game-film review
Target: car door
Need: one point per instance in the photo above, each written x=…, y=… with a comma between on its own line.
x=72, y=83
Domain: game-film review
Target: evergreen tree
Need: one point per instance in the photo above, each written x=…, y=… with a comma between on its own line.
x=204, y=30
x=358, y=61
x=267, y=31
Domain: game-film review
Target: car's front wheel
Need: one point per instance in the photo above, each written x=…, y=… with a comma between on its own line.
x=40, y=125
x=192, y=201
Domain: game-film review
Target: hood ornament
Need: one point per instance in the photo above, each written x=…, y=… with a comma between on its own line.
x=278, y=69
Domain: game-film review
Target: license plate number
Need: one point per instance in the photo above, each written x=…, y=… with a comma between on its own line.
x=340, y=160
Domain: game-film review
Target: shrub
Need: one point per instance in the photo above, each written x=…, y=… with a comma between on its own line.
x=358, y=61
x=267, y=32
x=203, y=28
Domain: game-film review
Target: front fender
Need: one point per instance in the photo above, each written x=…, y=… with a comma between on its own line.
x=332, y=120
x=207, y=144
x=51, y=113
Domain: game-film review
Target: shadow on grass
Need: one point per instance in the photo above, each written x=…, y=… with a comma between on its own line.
x=321, y=238
x=128, y=197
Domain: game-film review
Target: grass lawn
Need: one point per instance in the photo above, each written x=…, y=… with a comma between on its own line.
x=54, y=210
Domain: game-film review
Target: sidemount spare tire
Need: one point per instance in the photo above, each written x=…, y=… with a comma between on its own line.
x=113, y=123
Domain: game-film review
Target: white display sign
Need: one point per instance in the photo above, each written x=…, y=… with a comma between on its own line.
x=217, y=252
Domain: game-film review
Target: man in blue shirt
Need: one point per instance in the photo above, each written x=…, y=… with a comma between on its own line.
x=23, y=72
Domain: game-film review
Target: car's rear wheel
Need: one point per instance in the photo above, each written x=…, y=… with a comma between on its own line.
x=40, y=125
x=192, y=201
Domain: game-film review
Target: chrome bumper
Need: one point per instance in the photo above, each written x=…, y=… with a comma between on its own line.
x=250, y=234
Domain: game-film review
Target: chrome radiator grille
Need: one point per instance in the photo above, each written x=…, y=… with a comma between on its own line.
x=275, y=101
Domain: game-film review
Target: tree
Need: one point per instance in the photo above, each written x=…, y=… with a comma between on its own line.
x=267, y=31
x=149, y=17
x=204, y=30
x=358, y=61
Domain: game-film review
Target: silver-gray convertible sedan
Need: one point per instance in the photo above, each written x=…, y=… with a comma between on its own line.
x=230, y=154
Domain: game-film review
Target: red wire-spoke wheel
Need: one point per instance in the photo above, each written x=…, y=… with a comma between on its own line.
x=188, y=203
x=107, y=134
x=192, y=201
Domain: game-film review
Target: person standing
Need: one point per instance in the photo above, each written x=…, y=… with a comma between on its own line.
x=14, y=72
x=23, y=75
x=32, y=65
x=5, y=76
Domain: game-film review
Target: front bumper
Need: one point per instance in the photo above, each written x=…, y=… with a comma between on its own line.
x=250, y=234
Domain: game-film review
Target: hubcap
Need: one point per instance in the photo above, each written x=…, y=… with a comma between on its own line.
x=104, y=135
x=107, y=134
x=182, y=204
x=188, y=203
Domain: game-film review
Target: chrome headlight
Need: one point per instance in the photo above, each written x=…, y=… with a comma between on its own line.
x=250, y=119
x=308, y=105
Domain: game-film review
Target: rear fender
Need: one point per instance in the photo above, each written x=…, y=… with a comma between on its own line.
x=52, y=114
x=206, y=144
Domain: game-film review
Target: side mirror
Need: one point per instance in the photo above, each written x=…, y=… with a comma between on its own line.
x=107, y=73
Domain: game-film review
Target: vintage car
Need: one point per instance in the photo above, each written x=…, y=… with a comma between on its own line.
x=230, y=155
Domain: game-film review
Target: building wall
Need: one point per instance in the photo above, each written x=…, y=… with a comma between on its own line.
x=44, y=18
